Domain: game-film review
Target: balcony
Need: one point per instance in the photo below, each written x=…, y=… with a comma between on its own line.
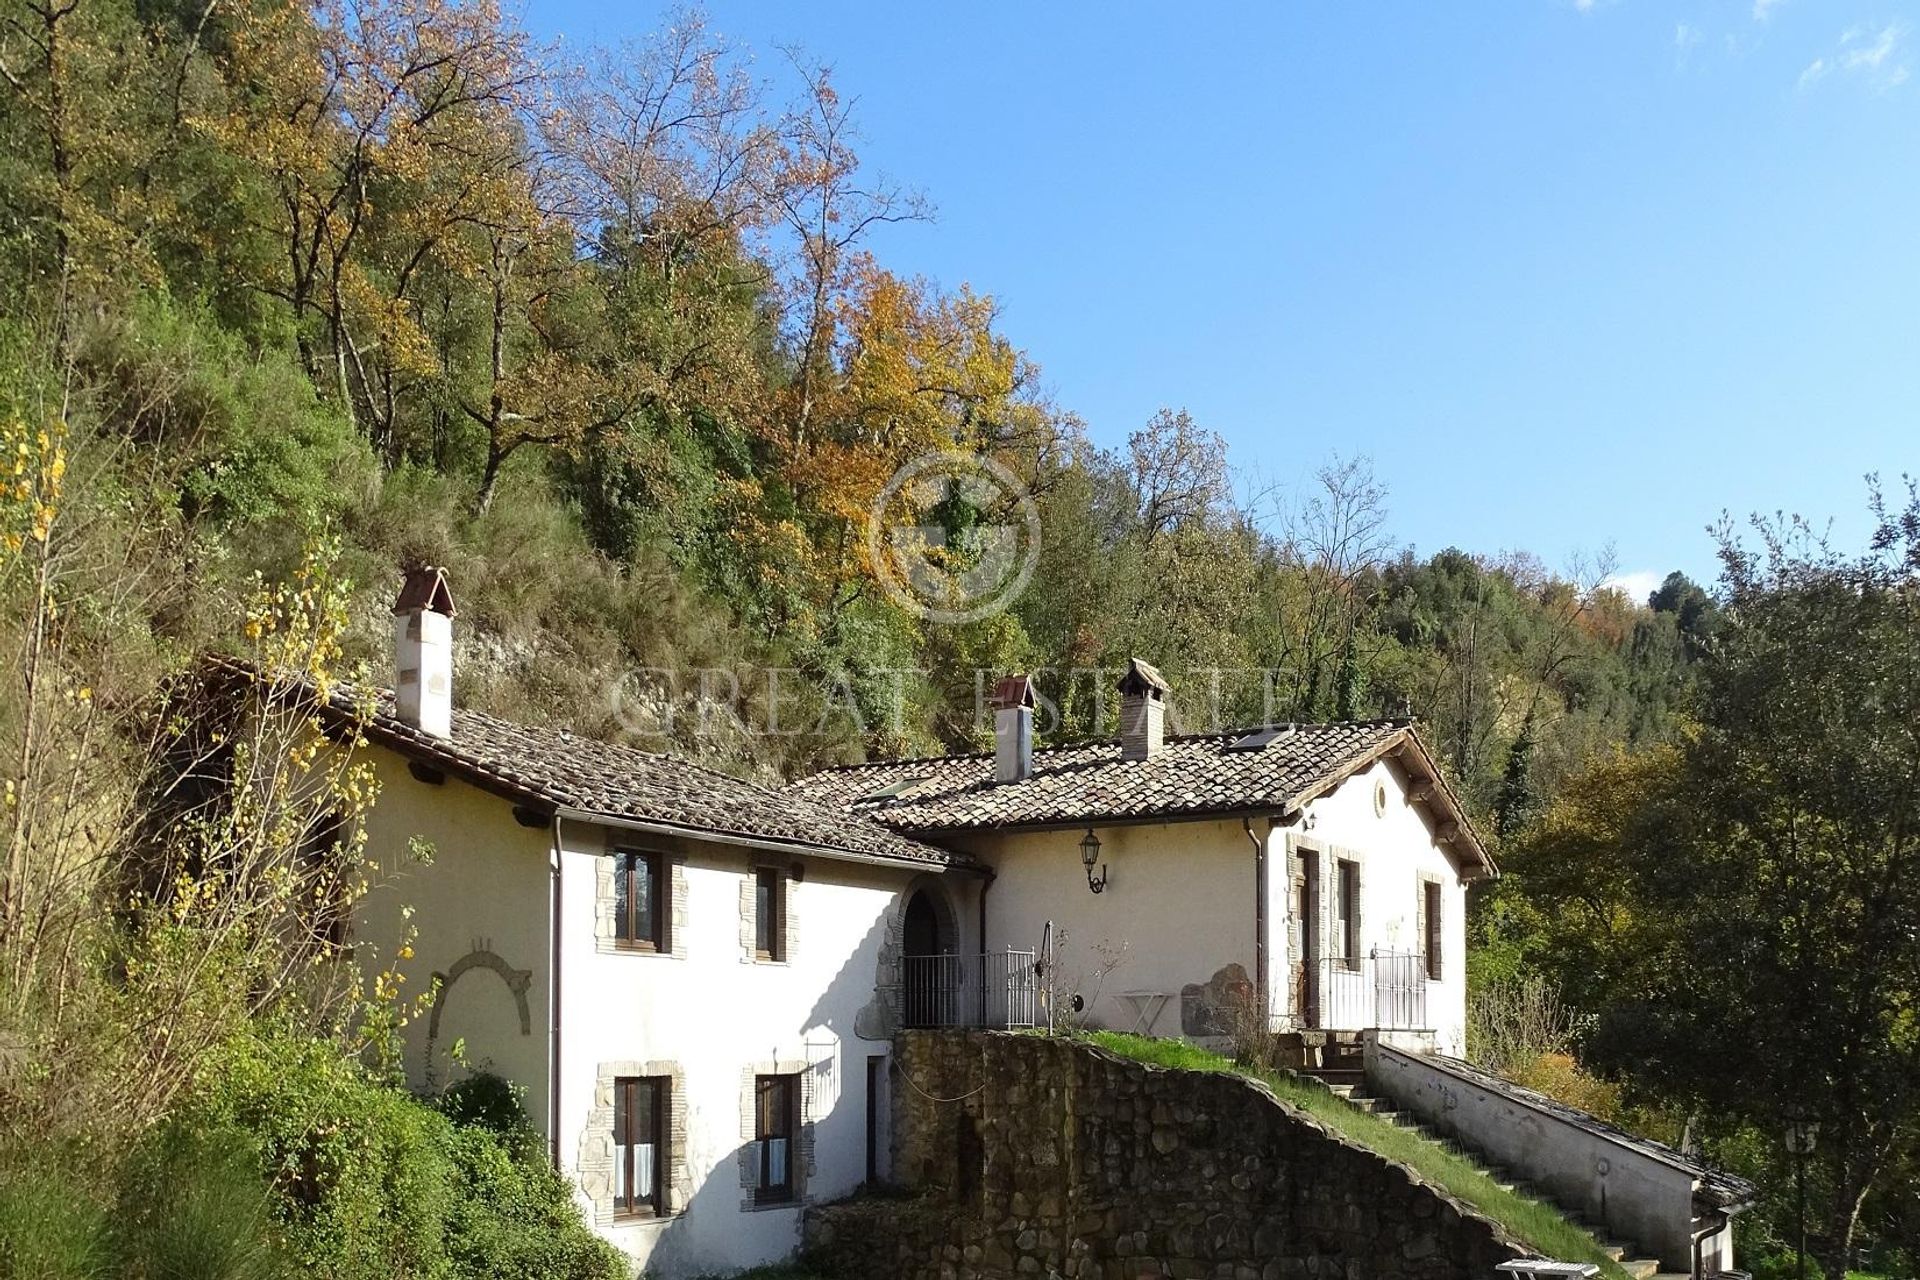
x=998, y=989
x=1383, y=990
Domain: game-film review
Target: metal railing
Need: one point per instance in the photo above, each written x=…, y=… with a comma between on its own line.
x=1383, y=989
x=997, y=989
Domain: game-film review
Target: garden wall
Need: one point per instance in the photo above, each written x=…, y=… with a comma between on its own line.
x=1025, y=1156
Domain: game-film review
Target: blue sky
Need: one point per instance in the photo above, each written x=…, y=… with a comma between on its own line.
x=1570, y=273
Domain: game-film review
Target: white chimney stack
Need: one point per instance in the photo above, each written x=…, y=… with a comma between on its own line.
x=423, y=651
x=1012, y=729
x=1143, y=711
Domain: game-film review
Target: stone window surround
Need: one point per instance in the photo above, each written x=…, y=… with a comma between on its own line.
x=595, y=1168
x=1428, y=965
x=1352, y=946
x=749, y=1157
x=605, y=927
x=1327, y=858
x=749, y=916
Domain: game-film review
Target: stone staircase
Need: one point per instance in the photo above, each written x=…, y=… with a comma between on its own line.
x=1349, y=1083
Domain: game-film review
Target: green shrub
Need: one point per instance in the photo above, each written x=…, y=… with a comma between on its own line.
x=247, y=439
x=370, y=1183
x=359, y=1173
x=52, y=1226
x=193, y=1207
x=486, y=1101
x=513, y=1217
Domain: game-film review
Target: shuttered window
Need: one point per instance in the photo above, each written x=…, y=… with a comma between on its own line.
x=1346, y=920
x=1432, y=935
x=769, y=915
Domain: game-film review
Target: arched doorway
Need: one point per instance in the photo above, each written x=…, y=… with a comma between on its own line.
x=928, y=943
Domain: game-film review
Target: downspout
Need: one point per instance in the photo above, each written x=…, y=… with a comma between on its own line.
x=984, y=886
x=1259, y=923
x=1722, y=1218
x=553, y=1003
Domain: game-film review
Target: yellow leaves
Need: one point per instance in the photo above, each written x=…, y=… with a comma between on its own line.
x=32, y=482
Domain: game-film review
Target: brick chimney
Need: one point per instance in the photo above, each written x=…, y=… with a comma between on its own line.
x=423, y=651
x=1012, y=701
x=1143, y=711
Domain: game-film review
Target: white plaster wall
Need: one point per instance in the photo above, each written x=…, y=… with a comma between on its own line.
x=1639, y=1197
x=1180, y=902
x=1398, y=852
x=486, y=887
x=1178, y=907
x=713, y=1014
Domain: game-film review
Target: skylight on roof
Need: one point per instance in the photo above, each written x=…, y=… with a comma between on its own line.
x=1259, y=738
x=892, y=791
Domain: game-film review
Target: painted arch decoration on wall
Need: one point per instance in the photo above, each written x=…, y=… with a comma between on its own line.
x=518, y=981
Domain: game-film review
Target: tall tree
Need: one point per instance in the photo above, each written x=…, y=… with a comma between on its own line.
x=1766, y=897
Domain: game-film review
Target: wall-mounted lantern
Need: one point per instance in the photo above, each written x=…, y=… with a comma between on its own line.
x=1090, y=854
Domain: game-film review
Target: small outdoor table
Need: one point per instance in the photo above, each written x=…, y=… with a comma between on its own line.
x=1145, y=1006
x=1542, y=1269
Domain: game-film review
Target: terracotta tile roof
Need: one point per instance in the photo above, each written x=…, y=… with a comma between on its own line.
x=548, y=769
x=1192, y=776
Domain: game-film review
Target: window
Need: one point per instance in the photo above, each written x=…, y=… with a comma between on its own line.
x=639, y=900
x=776, y=1113
x=640, y=1145
x=322, y=864
x=1346, y=920
x=769, y=915
x=1432, y=937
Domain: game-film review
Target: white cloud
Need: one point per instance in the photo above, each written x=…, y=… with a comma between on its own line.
x=1686, y=37
x=1635, y=586
x=1876, y=55
x=1763, y=9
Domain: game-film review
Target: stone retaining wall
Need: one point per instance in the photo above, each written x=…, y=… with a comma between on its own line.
x=1025, y=1156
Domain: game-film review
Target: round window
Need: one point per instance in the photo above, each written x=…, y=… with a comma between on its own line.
x=1380, y=798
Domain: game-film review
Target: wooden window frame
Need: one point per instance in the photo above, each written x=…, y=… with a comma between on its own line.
x=627, y=934
x=770, y=881
x=1346, y=910
x=1433, y=936
x=767, y=1114
x=659, y=1111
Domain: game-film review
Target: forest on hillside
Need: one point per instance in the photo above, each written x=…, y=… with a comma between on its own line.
x=293, y=295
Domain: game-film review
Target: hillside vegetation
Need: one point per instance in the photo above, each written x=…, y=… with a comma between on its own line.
x=608, y=339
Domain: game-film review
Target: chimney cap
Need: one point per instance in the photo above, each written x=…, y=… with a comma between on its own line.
x=1012, y=691
x=1143, y=678
x=425, y=589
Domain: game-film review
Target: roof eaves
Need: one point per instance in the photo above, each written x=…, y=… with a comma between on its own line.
x=1112, y=819
x=382, y=730
x=1405, y=735
x=772, y=844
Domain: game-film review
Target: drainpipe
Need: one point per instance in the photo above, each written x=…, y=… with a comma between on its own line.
x=553, y=1003
x=1259, y=921
x=984, y=886
x=1721, y=1219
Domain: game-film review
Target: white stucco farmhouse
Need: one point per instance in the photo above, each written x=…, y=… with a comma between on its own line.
x=696, y=979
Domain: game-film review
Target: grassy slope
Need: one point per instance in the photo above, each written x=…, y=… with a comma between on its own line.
x=1538, y=1225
